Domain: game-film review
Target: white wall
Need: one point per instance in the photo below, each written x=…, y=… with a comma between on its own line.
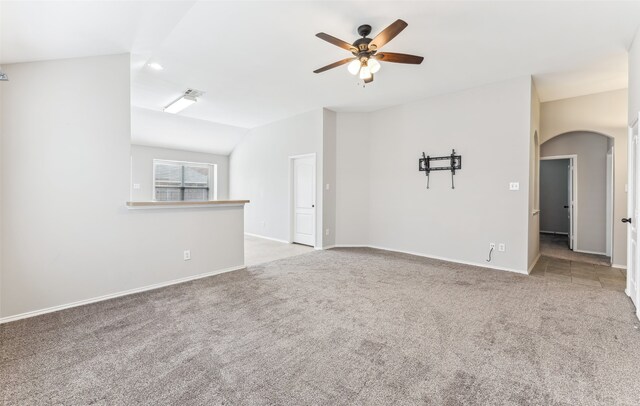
x=1, y=137
x=65, y=158
x=142, y=168
x=352, y=180
x=634, y=80
x=259, y=171
x=329, y=145
x=489, y=126
x=604, y=113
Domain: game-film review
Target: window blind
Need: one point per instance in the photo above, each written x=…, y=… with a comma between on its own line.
x=181, y=181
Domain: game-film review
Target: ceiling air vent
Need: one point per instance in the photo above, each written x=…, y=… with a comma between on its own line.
x=193, y=93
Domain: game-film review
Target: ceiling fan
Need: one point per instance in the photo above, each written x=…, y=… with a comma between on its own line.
x=365, y=51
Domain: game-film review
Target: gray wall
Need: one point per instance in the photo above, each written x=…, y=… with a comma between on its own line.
x=554, y=194
x=591, y=149
x=489, y=126
x=142, y=168
x=534, y=174
x=65, y=180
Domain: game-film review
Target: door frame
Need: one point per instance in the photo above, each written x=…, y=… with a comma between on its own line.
x=610, y=193
x=632, y=173
x=573, y=226
x=292, y=209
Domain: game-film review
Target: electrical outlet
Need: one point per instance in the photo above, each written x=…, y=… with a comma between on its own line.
x=136, y=186
x=514, y=185
x=492, y=245
x=187, y=255
x=326, y=232
x=327, y=187
x=502, y=247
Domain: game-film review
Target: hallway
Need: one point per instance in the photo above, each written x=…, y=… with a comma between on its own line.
x=555, y=246
x=581, y=273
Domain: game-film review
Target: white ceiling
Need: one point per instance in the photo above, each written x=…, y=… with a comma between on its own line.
x=255, y=60
x=151, y=127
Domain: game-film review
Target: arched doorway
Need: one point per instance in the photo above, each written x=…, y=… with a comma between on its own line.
x=576, y=196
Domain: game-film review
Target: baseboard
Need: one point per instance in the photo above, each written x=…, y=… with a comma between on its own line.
x=327, y=247
x=487, y=265
x=115, y=295
x=589, y=252
x=267, y=238
x=553, y=233
x=350, y=246
x=618, y=266
x=535, y=261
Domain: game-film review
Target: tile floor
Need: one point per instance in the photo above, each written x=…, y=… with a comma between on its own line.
x=583, y=273
x=260, y=250
x=556, y=246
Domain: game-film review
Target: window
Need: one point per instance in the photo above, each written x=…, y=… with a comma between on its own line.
x=188, y=181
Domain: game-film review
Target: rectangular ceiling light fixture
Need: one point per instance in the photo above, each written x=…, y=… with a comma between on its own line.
x=180, y=104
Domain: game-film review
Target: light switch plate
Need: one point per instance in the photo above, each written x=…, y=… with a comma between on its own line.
x=514, y=186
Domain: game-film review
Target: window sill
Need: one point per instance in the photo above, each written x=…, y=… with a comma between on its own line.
x=182, y=205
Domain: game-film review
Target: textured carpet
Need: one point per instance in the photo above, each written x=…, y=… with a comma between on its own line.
x=354, y=326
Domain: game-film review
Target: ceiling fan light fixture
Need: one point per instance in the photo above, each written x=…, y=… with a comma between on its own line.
x=354, y=66
x=374, y=66
x=365, y=72
x=365, y=60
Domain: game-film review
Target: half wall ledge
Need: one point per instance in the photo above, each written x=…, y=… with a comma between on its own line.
x=182, y=205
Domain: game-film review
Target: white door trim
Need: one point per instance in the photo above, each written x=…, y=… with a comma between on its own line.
x=292, y=158
x=632, y=263
x=573, y=160
x=610, y=200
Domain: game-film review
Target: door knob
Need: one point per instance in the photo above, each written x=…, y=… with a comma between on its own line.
x=313, y=205
x=626, y=220
x=566, y=207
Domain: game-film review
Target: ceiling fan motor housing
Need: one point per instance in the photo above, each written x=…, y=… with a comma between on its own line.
x=364, y=30
x=362, y=44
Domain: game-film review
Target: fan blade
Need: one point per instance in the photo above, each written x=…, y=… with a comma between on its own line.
x=399, y=58
x=337, y=41
x=387, y=34
x=333, y=65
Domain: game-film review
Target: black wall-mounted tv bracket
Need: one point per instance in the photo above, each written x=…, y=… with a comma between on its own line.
x=424, y=165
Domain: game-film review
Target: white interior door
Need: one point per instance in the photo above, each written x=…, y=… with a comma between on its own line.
x=304, y=200
x=632, y=221
x=571, y=204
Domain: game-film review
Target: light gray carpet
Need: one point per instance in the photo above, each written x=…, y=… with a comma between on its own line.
x=355, y=326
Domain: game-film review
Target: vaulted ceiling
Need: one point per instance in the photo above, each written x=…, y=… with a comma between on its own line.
x=255, y=60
